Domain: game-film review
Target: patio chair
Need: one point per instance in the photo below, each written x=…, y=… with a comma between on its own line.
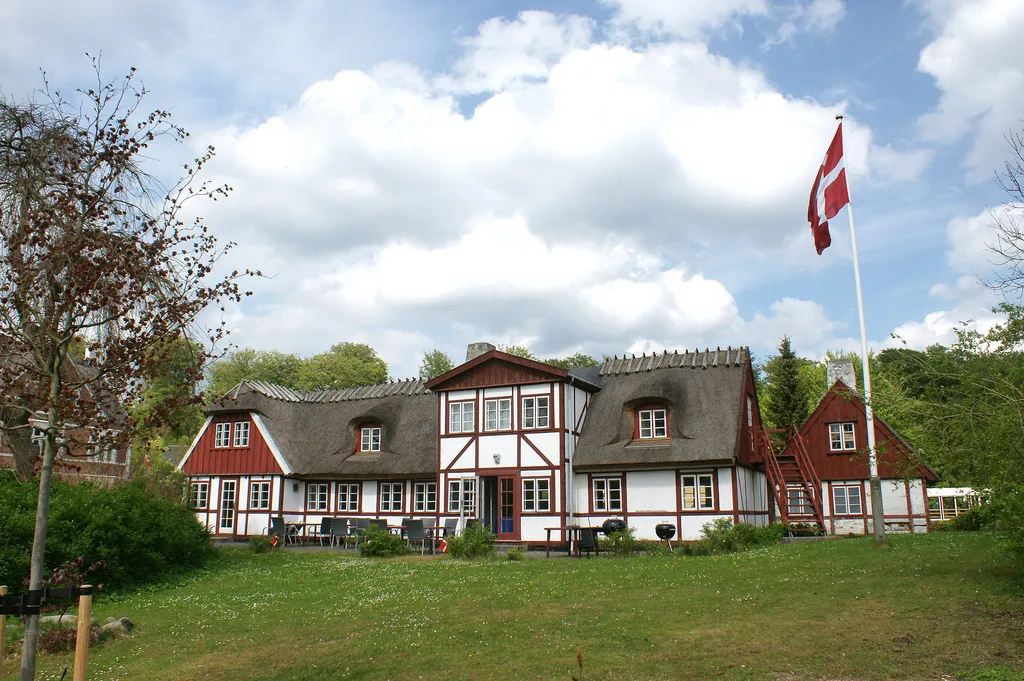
x=450, y=525
x=362, y=525
x=339, y=531
x=278, y=528
x=414, y=533
x=381, y=523
x=429, y=523
x=587, y=543
x=324, y=530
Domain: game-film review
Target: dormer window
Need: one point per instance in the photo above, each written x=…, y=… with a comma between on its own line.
x=370, y=439
x=651, y=423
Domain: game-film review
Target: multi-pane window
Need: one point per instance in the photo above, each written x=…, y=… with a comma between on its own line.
x=841, y=437
x=798, y=502
x=425, y=497
x=462, y=497
x=242, y=434
x=653, y=423
x=316, y=496
x=498, y=414
x=846, y=500
x=699, y=492
x=460, y=417
x=348, y=496
x=391, y=496
x=222, y=435
x=607, y=494
x=535, y=411
x=370, y=439
x=200, y=494
x=259, y=495
x=536, y=494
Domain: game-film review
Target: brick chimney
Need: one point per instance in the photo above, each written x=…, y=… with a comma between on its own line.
x=474, y=350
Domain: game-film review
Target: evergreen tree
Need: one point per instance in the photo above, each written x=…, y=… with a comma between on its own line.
x=788, y=396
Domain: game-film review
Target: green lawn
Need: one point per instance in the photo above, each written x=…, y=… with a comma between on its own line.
x=928, y=606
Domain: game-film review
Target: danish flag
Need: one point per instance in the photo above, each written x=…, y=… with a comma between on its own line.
x=829, y=193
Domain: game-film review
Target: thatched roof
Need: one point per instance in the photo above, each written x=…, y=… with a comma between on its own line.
x=703, y=391
x=317, y=432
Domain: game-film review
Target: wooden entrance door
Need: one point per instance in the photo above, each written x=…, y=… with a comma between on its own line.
x=228, y=499
x=508, y=525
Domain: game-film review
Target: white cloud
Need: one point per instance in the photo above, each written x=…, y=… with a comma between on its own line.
x=820, y=16
x=977, y=61
x=686, y=19
x=968, y=244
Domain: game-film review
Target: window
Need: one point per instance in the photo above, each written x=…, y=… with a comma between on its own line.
x=348, y=496
x=498, y=414
x=841, y=437
x=607, y=494
x=536, y=494
x=242, y=434
x=652, y=423
x=460, y=417
x=750, y=412
x=462, y=497
x=797, y=501
x=259, y=495
x=425, y=497
x=846, y=500
x=222, y=435
x=699, y=492
x=370, y=440
x=200, y=494
x=391, y=496
x=535, y=412
x=316, y=496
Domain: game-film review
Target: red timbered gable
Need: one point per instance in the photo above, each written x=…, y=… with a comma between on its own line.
x=250, y=454
x=496, y=368
x=841, y=405
x=750, y=419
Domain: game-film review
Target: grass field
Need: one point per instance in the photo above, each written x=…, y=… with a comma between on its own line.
x=928, y=606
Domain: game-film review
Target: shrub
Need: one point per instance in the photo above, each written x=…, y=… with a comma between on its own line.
x=139, y=537
x=259, y=543
x=476, y=541
x=380, y=543
x=972, y=520
x=515, y=554
x=721, y=536
x=621, y=542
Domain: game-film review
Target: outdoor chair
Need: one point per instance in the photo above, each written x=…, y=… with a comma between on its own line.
x=339, y=532
x=450, y=525
x=429, y=523
x=381, y=523
x=362, y=525
x=414, y=533
x=405, y=525
x=587, y=544
x=324, y=530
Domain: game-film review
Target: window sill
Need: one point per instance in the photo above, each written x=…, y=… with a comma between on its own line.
x=650, y=442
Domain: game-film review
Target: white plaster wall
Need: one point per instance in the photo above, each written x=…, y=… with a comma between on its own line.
x=497, y=392
x=724, y=490
x=504, y=445
x=643, y=526
x=450, y=448
x=650, y=491
x=457, y=395
x=368, y=501
x=894, y=497
x=536, y=389
x=546, y=443
x=294, y=501
x=581, y=492
x=917, y=496
x=532, y=527
x=214, y=494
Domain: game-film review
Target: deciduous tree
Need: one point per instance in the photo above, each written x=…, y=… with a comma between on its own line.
x=434, y=364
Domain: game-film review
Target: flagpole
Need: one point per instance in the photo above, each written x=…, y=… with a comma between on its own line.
x=877, y=511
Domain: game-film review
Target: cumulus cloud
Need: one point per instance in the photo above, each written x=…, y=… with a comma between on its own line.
x=977, y=61
x=686, y=19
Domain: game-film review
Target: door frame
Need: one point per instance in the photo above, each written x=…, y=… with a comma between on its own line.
x=234, y=507
x=513, y=482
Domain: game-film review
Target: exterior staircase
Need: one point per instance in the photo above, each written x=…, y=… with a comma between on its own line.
x=791, y=477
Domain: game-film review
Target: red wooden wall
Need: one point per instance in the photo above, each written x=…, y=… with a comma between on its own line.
x=841, y=405
x=256, y=459
x=496, y=372
x=745, y=452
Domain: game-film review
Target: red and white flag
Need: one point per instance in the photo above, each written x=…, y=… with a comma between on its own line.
x=829, y=193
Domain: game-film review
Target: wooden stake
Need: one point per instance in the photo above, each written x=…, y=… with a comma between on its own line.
x=3, y=625
x=82, y=639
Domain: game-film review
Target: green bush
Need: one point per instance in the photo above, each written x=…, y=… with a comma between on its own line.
x=259, y=543
x=621, y=542
x=998, y=673
x=971, y=520
x=379, y=543
x=515, y=554
x=476, y=541
x=139, y=537
x=721, y=536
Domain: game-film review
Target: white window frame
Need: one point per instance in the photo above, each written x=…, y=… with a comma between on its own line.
x=845, y=503
x=750, y=411
x=424, y=497
x=201, y=491
x=370, y=438
x=258, y=501
x=461, y=417
x=652, y=429
x=347, y=495
x=462, y=496
x=536, y=412
x=799, y=494
x=241, y=438
x=698, y=491
x=605, y=502
x=392, y=497
x=222, y=436
x=318, y=496
x=502, y=414
x=536, y=495
x=844, y=432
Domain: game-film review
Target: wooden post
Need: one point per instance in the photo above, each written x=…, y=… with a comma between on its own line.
x=3, y=625
x=82, y=639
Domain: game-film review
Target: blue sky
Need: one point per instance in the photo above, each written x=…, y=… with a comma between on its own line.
x=605, y=176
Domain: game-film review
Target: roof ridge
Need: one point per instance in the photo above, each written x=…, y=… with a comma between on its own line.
x=405, y=386
x=685, y=359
